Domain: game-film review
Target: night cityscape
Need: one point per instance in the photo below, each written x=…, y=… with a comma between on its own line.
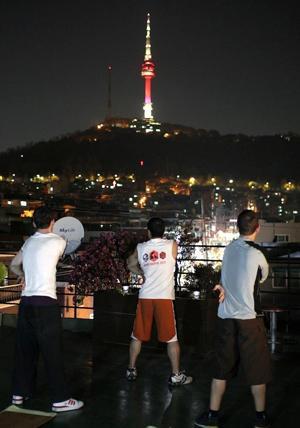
x=113, y=114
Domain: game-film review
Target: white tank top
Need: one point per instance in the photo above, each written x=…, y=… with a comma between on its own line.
x=158, y=264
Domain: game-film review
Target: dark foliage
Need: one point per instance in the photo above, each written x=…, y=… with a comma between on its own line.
x=205, y=277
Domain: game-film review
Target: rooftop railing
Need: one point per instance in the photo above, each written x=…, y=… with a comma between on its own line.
x=281, y=288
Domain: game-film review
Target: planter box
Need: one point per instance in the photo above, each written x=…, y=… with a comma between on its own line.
x=114, y=315
x=196, y=322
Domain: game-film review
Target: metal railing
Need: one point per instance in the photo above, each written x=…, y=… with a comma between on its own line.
x=10, y=293
x=284, y=271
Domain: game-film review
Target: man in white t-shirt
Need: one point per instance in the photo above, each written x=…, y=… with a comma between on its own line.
x=241, y=338
x=155, y=261
x=39, y=319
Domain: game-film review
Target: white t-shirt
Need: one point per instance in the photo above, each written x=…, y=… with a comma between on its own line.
x=158, y=264
x=41, y=253
x=239, y=269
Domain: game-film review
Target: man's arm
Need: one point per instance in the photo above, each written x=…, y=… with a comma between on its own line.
x=16, y=264
x=263, y=264
x=174, y=250
x=63, y=247
x=133, y=263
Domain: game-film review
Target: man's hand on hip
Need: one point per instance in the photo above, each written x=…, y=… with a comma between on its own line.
x=220, y=290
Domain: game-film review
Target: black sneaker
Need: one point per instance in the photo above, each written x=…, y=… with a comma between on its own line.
x=131, y=374
x=262, y=421
x=179, y=379
x=207, y=420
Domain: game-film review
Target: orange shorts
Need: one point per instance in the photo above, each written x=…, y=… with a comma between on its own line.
x=163, y=313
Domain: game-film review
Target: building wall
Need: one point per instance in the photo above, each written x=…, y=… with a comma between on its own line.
x=278, y=232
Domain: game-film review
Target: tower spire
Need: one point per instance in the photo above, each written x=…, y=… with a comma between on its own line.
x=148, y=55
x=148, y=73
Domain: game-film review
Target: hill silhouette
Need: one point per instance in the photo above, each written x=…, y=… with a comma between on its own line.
x=120, y=151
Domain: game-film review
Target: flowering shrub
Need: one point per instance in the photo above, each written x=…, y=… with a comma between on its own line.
x=103, y=264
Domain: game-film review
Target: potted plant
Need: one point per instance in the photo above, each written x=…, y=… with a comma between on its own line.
x=197, y=315
x=3, y=274
x=101, y=270
x=203, y=280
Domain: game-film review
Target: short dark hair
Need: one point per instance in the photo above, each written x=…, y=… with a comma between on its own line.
x=43, y=216
x=156, y=226
x=247, y=222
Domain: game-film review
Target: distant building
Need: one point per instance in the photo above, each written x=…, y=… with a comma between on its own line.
x=278, y=232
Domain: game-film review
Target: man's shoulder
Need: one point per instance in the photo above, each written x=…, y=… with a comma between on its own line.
x=53, y=239
x=153, y=243
x=55, y=236
x=254, y=249
x=141, y=244
x=248, y=248
x=231, y=245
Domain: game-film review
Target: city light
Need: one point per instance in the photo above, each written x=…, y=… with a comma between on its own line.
x=192, y=181
x=289, y=186
x=27, y=214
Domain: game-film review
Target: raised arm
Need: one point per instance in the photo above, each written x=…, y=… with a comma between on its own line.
x=16, y=264
x=133, y=263
x=174, y=250
x=263, y=264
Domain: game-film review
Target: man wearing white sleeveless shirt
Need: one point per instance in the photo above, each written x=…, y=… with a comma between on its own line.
x=155, y=261
x=39, y=319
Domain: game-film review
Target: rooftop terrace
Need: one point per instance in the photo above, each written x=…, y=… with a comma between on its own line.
x=112, y=402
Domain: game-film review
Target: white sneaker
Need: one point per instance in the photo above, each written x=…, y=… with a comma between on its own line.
x=67, y=406
x=177, y=379
x=18, y=400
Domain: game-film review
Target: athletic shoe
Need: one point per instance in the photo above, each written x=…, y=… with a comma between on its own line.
x=262, y=421
x=131, y=374
x=18, y=400
x=207, y=420
x=179, y=379
x=67, y=406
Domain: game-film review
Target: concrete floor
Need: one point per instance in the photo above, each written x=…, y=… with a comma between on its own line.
x=112, y=402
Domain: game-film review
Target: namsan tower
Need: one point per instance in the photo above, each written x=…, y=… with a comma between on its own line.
x=148, y=72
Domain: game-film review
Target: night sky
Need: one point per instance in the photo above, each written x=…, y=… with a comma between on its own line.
x=229, y=65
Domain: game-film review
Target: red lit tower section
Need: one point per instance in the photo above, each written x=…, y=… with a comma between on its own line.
x=148, y=72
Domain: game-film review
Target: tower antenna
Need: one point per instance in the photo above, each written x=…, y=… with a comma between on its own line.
x=109, y=70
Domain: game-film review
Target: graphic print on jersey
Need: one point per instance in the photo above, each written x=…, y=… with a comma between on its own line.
x=154, y=257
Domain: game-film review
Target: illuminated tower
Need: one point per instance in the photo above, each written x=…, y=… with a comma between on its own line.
x=148, y=73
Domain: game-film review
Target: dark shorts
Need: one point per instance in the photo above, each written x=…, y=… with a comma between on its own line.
x=242, y=343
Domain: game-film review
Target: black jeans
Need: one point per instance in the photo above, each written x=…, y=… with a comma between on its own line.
x=39, y=331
